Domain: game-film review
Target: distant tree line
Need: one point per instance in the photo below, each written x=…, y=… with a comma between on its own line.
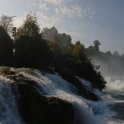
x=111, y=64
x=48, y=50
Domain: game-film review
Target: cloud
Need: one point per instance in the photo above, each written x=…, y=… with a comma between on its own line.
x=54, y=1
x=39, y=5
x=43, y=6
x=47, y=21
x=63, y=8
x=74, y=10
x=69, y=11
x=91, y=14
x=55, y=12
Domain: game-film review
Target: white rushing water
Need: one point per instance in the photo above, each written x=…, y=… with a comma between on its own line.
x=115, y=88
x=115, y=83
x=8, y=108
x=55, y=85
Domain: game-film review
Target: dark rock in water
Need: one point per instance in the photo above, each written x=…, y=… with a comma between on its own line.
x=38, y=109
x=82, y=90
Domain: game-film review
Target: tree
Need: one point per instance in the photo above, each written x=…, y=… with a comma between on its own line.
x=82, y=66
x=6, y=22
x=108, y=53
x=30, y=49
x=62, y=39
x=50, y=34
x=6, y=47
x=64, y=42
x=78, y=52
x=116, y=54
x=29, y=28
x=97, y=44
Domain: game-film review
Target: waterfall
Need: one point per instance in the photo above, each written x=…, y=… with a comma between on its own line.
x=86, y=111
x=55, y=85
x=8, y=108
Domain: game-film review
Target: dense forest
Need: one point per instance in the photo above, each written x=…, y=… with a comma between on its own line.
x=47, y=50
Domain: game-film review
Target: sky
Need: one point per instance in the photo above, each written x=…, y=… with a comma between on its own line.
x=84, y=20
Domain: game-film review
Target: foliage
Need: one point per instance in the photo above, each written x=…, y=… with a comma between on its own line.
x=77, y=63
x=30, y=49
x=61, y=39
x=30, y=27
x=6, y=48
x=7, y=23
x=50, y=50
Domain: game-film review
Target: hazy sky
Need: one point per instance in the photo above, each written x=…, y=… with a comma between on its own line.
x=84, y=20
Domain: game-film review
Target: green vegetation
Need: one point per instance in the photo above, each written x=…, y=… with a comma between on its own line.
x=30, y=49
x=6, y=48
x=49, y=50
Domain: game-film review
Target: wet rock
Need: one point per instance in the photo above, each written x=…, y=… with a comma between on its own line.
x=38, y=109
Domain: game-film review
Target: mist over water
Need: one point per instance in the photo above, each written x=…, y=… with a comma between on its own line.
x=113, y=72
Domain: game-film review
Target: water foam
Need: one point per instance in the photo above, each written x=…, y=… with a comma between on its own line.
x=8, y=108
x=115, y=87
x=55, y=85
x=115, y=84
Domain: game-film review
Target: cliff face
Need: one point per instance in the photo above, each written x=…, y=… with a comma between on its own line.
x=43, y=98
